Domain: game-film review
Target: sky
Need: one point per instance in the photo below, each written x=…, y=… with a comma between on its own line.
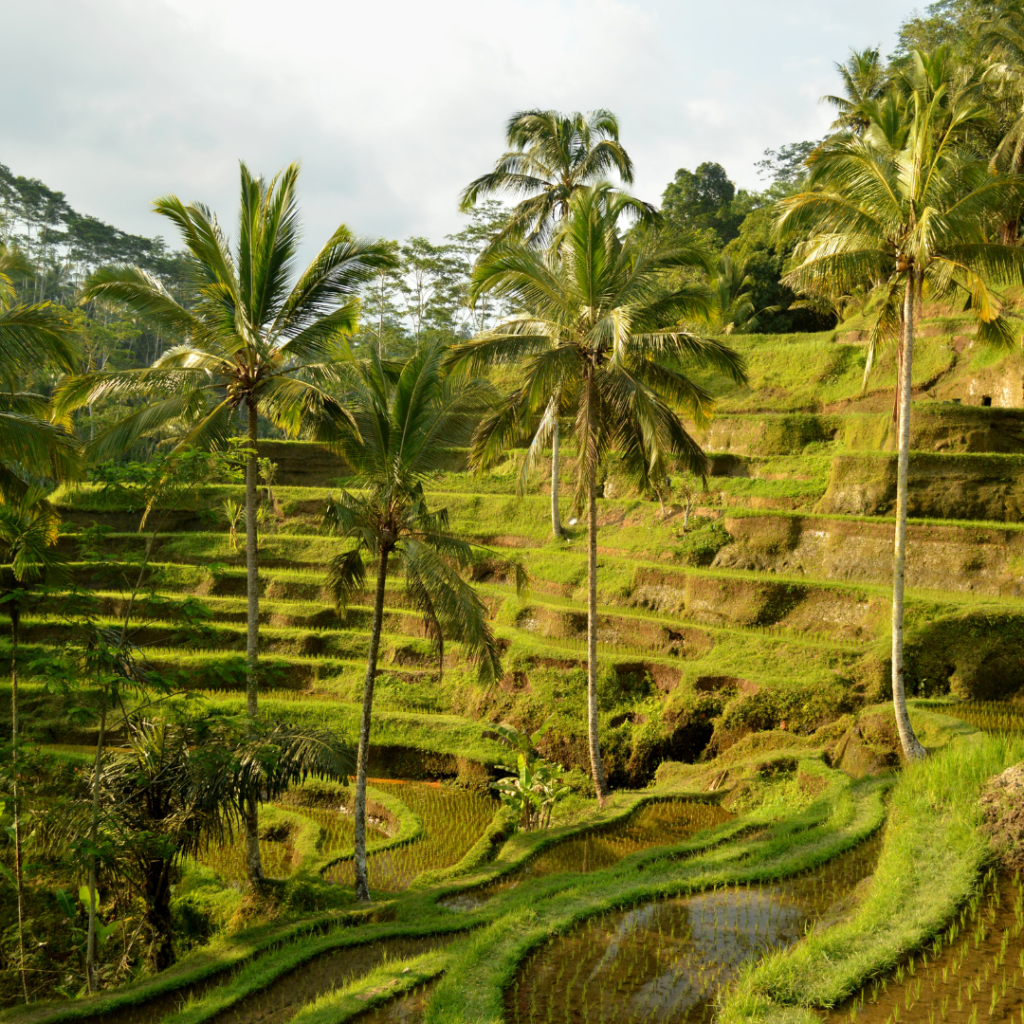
x=393, y=106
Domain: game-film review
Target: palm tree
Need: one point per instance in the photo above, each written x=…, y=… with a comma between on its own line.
x=256, y=343
x=408, y=416
x=864, y=81
x=32, y=446
x=551, y=156
x=908, y=206
x=1003, y=37
x=599, y=329
x=29, y=531
x=730, y=305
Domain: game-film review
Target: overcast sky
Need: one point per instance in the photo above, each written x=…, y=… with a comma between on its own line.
x=392, y=106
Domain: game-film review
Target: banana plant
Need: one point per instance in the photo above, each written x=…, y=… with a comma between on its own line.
x=533, y=787
x=532, y=791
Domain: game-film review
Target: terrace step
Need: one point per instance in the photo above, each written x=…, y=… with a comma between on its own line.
x=934, y=427
x=948, y=557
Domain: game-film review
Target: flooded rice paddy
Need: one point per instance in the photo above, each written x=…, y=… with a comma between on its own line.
x=665, y=960
x=453, y=820
x=972, y=973
x=334, y=829
x=283, y=998
x=662, y=823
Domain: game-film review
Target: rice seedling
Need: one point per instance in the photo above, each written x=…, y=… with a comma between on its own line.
x=453, y=820
x=663, y=823
x=973, y=972
x=407, y=1009
x=667, y=959
x=991, y=715
x=284, y=997
x=288, y=843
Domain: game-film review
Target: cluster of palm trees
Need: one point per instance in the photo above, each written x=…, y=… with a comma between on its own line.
x=599, y=336
x=605, y=336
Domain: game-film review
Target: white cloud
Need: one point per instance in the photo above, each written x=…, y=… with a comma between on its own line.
x=393, y=106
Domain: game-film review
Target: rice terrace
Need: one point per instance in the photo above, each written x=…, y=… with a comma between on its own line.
x=612, y=613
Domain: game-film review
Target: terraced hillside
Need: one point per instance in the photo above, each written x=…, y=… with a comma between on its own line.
x=760, y=602
x=744, y=642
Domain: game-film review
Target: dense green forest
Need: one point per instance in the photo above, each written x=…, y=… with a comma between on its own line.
x=610, y=611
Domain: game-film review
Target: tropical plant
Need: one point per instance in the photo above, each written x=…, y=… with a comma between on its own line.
x=908, y=208
x=730, y=307
x=864, y=81
x=183, y=785
x=233, y=514
x=255, y=343
x=32, y=445
x=531, y=790
x=598, y=329
x=409, y=415
x=533, y=785
x=100, y=671
x=29, y=531
x=1002, y=36
x=551, y=156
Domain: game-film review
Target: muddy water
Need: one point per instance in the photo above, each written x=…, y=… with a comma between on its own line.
x=663, y=823
x=665, y=960
x=281, y=1000
x=973, y=972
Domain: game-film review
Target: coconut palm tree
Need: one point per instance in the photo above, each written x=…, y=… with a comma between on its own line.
x=32, y=446
x=907, y=207
x=409, y=415
x=29, y=531
x=551, y=156
x=259, y=342
x=599, y=329
x=864, y=81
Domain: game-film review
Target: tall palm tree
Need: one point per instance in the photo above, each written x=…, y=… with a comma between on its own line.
x=599, y=329
x=258, y=342
x=29, y=531
x=408, y=416
x=32, y=446
x=551, y=156
x=907, y=205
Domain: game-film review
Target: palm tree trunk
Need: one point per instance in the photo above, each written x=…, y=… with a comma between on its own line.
x=253, y=863
x=16, y=794
x=912, y=749
x=597, y=769
x=556, y=523
x=90, y=941
x=363, y=753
